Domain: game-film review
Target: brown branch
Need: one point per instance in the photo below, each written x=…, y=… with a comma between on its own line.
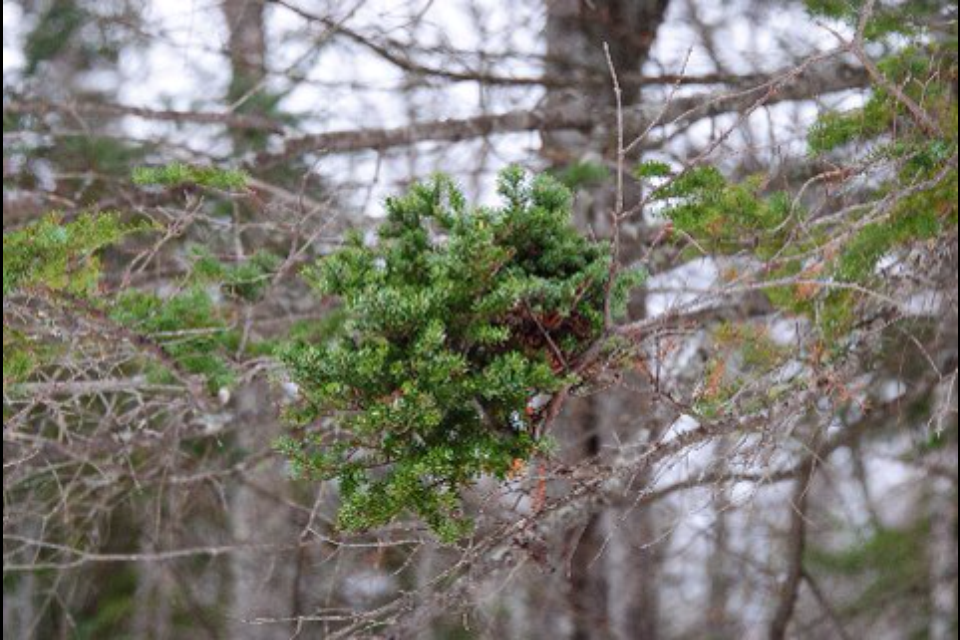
x=927, y=124
x=516, y=543
x=812, y=83
x=790, y=589
x=81, y=557
x=23, y=107
x=397, y=53
x=111, y=329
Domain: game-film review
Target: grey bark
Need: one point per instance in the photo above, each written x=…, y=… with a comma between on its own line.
x=943, y=485
x=718, y=621
x=576, y=34
x=796, y=546
x=943, y=549
x=263, y=584
x=247, y=44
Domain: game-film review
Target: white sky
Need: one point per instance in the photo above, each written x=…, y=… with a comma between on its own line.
x=12, y=56
x=348, y=87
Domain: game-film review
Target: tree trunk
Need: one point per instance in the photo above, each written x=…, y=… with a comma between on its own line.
x=719, y=576
x=576, y=33
x=264, y=583
x=943, y=486
x=247, y=44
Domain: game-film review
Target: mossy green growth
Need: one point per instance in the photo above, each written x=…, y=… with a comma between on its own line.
x=179, y=174
x=456, y=318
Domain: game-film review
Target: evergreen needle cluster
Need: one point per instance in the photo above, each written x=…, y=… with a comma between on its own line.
x=454, y=320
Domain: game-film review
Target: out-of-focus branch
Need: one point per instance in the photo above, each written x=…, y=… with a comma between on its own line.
x=399, y=55
x=830, y=77
x=93, y=387
x=512, y=546
x=797, y=548
x=22, y=107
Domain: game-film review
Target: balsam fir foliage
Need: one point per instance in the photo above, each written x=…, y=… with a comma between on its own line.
x=191, y=326
x=245, y=281
x=194, y=325
x=455, y=319
x=188, y=326
x=179, y=175
x=889, y=19
x=58, y=257
x=907, y=171
x=887, y=133
x=726, y=218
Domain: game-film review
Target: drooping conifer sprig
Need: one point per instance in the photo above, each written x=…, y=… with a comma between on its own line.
x=895, y=156
x=178, y=174
x=456, y=320
x=56, y=256
x=191, y=329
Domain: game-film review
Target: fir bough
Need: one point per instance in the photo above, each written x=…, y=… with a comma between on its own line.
x=907, y=174
x=55, y=256
x=456, y=319
x=179, y=174
x=60, y=256
x=190, y=328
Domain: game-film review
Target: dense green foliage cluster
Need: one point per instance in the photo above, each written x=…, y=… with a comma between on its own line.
x=455, y=320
